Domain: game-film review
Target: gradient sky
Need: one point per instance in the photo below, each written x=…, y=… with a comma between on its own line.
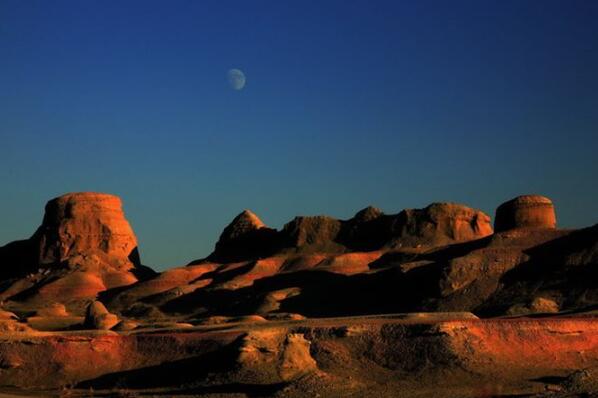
x=347, y=103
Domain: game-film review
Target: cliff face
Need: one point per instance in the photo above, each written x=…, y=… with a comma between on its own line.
x=245, y=237
x=527, y=211
x=84, y=246
x=85, y=224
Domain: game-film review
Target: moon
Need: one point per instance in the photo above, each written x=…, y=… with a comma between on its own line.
x=236, y=79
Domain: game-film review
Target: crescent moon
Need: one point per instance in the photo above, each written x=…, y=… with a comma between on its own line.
x=236, y=79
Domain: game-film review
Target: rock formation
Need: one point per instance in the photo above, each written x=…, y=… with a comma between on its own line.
x=84, y=246
x=245, y=318
x=527, y=211
x=440, y=223
x=369, y=229
x=98, y=317
x=443, y=257
x=245, y=237
x=275, y=355
x=315, y=231
x=86, y=223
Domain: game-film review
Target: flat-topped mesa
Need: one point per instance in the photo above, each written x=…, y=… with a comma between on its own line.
x=440, y=223
x=86, y=223
x=245, y=237
x=527, y=211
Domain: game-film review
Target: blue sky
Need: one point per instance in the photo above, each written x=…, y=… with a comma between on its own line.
x=347, y=103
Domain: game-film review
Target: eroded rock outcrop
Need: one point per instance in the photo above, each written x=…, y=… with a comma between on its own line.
x=440, y=258
x=84, y=246
x=276, y=355
x=440, y=223
x=318, y=232
x=369, y=229
x=527, y=211
x=245, y=237
x=86, y=223
x=98, y=317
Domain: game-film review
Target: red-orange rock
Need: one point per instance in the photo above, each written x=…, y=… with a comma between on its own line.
x=312, y=231
x=527, y=211
x=84, y=246
x=370, y=213
x=84, y=223
x=349, y=263
x=53, y=310
x=245, y=237
x=368, y=230
x=441, y=223
x=244, y=223
x=98, y=317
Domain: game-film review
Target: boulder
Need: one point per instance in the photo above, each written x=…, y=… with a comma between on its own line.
x=544, y=305
x=527, y=211
x=98, y=317
x=125, y=325
x=539, y=305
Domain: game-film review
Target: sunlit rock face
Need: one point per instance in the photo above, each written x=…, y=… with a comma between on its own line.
x=441, y=223
x=86, y=223
x=527, y=211
x=98, y=317
x=247, y=238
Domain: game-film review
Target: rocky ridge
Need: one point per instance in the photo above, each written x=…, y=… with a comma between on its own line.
x=424, y=297
x=444, y=257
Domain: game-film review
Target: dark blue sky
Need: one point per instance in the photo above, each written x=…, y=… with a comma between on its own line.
x=347, y=103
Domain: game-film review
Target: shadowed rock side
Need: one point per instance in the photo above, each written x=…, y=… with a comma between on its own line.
x=527, y=211
x=439, y=224
x=440, y=258
x=247, y=238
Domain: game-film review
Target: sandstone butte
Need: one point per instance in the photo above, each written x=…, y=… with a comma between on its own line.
x=86, y=223
x=425, y=302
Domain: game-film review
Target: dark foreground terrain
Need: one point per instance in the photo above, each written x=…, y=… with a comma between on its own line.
x=479, y=309
x=409, y=355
